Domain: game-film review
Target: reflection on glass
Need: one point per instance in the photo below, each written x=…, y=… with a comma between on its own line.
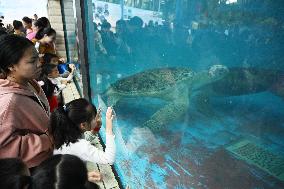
x=198, y=89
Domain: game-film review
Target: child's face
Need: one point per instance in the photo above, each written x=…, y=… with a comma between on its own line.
x=34, y=28
x=95, y=124
x=54, y=60
x=49, y=39
x=26, y=25
x=54, y=73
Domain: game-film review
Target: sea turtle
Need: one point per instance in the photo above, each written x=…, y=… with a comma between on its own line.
x=171, y=84
x=241, y=81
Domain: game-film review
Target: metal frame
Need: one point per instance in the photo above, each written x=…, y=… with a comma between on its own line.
x=83, y=52
x=65, y=31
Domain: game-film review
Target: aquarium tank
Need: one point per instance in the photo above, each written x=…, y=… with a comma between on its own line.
x=197, y=87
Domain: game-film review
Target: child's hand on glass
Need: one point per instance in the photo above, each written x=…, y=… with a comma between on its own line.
x=109, y=118
x=109, y=114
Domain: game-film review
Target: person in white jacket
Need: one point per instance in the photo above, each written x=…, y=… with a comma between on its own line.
x=68, y=124
x=55, y=78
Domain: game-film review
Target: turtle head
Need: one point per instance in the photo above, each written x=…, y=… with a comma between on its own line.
x=217, y=72
x=203, y=78
x=109, y=97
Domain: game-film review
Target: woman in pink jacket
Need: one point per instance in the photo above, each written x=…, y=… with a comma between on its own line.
x=24, y=113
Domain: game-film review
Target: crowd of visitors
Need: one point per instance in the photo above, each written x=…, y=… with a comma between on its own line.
x=42, y=141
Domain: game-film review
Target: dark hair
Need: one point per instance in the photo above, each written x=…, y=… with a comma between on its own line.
x=106, y=25
x=90, y=185
x=47, y=68
x=64, y=122
x=61, y=172
x=27, y=20
x=12, y=49
x=42, y=23
x=48, y=87
x=17, y=24
x=48, y=56
x=45, y=22
x=3, y=32
x=39, y=24
x=12, y=174
x=136, y=21
x=11, y=166
x=45, y=31
x=121, y=23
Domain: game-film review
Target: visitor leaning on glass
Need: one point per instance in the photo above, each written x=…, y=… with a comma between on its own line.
x=68, y=125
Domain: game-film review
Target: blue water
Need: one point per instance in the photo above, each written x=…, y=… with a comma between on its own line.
x=190, y=151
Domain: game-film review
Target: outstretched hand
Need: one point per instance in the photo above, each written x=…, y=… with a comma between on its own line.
x=72, y=67
x=109, y=114
x=109, y=118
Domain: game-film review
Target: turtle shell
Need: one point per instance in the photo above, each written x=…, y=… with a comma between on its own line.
x=152, y=81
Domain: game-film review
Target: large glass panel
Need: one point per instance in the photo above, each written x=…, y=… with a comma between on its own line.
x=198, y=89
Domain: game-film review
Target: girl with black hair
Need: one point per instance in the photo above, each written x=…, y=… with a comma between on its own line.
x=27, y=22
x=50, y=58
x=24, y=114
x=49, y=90
x=36, y=26
x=18, y=28
x=52, y=82
x=46, y=35
x=63, y=68
x=45, y=40
x=68, y=124
x=14, y=174
x=44, y=22
x=62, y=172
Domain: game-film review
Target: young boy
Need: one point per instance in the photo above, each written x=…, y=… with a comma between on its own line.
x=55, y=78
x=50, y=58
x=52, y=84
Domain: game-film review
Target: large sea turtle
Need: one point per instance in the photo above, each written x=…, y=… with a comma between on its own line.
x=171, y=84
x=241, y=81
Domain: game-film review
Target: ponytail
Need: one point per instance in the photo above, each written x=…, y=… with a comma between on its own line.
x=63, y=130
x=65, y=121
x=15, y=181
x=45, y=31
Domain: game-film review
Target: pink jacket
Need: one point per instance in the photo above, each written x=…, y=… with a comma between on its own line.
x=31, y=35
x=23, y=124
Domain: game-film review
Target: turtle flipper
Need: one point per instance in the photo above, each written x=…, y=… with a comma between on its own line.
x=202, y=104
x=166, y=115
